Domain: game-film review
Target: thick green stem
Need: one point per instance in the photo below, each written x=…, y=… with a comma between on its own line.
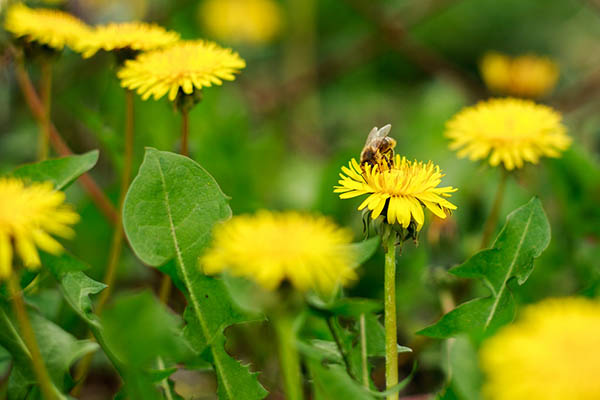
x=288, y=357
x=391, y=335
x=492, y=220
x=45, y=93
x=47, y=388
x=363, y=350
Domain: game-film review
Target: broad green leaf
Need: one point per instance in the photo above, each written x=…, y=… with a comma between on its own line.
x=60, y=171
x=522, y=239
x=59, y=350
x=169, y=213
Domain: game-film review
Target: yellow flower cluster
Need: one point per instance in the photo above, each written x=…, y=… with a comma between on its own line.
x=136, y=36
x=52, y=28
x=244, y=21
x=268, y=248
x=187, y=65
x=551, y=353
x=523, y=76
x=511, y=131
x=399, y=192
x=28, y=215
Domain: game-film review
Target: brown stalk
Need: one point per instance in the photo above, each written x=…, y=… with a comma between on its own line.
x=56, y=141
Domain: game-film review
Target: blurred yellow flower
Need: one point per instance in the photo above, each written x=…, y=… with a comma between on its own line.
x=28, y=215
x=551, y=353
x=133, y=36
x=185, y=66
x=511, y=131
x=242, y=21
x=268, y=248
x=523, y=76
x=52, y=28
x=398, y=191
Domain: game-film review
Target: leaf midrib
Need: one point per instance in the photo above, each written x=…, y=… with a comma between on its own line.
x=509, y=272
x=186, y=279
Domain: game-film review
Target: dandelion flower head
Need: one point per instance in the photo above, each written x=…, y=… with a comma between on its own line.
x=551, y=353
x=399, y=191
x=185, y=66
x=29, y=215
x=310, y=252
x=511, y=131
x=524, y=76
x=242, y=21
x=52, y=28
x=134, y=36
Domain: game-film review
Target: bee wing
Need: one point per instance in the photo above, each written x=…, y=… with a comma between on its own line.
x=372, y=136
x=383, y=132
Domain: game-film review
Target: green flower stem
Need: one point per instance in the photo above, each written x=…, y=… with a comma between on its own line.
x=288, y=356
x=185, y=131
x=363, y=351
x=45, y=93
x=391, y=334
x=117, y=240
x=47, y=388
x=492, y=220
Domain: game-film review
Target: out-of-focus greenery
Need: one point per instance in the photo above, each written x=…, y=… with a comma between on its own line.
x=288, y=156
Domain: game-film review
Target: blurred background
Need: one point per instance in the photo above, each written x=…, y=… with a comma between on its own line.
x=319, y=76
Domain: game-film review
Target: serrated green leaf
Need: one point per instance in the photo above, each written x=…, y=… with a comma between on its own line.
x=523, y=238
x=75, y=285
x=169, y=213
x=60, y=171
x=59, y=350
x=233, y=377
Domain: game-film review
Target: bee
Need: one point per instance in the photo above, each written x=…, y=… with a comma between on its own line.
x=379, y=147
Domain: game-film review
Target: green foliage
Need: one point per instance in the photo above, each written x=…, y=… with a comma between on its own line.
x=169, y=212
x=59, y=350
x=60, y=171
x=135, y=323
x=523, y=238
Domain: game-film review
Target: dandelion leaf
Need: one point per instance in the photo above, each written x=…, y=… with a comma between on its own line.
x=60, y=171
x=59, y=350
x=169, y=212
x=523, y=238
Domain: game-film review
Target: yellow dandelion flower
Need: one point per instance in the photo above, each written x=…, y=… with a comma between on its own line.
x=511, y=131
x=47, y=27
x=398, y=192
x=28, y=215
x=134, y=36
x=187, y=65
x=243, y=21
x=551, y=353
x=523, y=76
x=268, y=248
